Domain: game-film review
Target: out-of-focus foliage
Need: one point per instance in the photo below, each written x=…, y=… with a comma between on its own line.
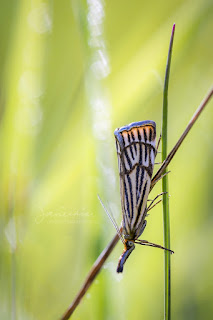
x=71, y=72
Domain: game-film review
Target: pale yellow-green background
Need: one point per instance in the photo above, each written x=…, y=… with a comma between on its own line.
x=71, y=72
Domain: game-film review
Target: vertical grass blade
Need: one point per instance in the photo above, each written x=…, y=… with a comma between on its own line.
x=165, y=188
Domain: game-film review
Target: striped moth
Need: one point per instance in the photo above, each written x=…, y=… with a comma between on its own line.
x=136, y=151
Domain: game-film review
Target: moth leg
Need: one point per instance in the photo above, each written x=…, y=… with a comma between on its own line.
x=150, y=244
x=153, y=206
x=152, y=200
x=150, y=206
x=158, y=143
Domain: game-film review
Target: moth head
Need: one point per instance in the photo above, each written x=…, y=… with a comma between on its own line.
x=130, y=244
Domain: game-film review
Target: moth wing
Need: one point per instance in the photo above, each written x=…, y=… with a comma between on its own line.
x=136, y=155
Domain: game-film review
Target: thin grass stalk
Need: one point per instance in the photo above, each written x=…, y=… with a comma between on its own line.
x=165, y=188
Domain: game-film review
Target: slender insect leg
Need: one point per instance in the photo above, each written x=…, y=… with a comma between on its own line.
x=160, y=194
x=159, y=140
x=150, y=244
x=156, y=151
x=154, y=206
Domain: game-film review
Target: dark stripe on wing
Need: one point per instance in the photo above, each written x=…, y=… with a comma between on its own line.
x=133, y=139
x=137, y=180
x=150, y=134
x=123, y=140
x=127, y=199
x=139, y=135
x=140, y=156
x=131, y=195
x=140, y=205
x=145, y=136
x=128, y=159
x=141, y=183
x=131, y=151
x=145, y=152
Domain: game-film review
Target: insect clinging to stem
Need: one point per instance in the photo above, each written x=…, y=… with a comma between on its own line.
x=136, y=150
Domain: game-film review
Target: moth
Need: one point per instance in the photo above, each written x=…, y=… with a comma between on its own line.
x=136, y=151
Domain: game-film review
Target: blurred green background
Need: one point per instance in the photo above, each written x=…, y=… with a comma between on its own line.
x=72, y=72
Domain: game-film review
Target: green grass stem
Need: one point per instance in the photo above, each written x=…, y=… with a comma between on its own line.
x=165, y=188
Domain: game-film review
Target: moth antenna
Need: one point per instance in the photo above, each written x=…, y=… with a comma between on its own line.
x=112, y=220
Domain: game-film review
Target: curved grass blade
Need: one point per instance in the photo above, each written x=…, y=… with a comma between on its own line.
x=165, y=190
